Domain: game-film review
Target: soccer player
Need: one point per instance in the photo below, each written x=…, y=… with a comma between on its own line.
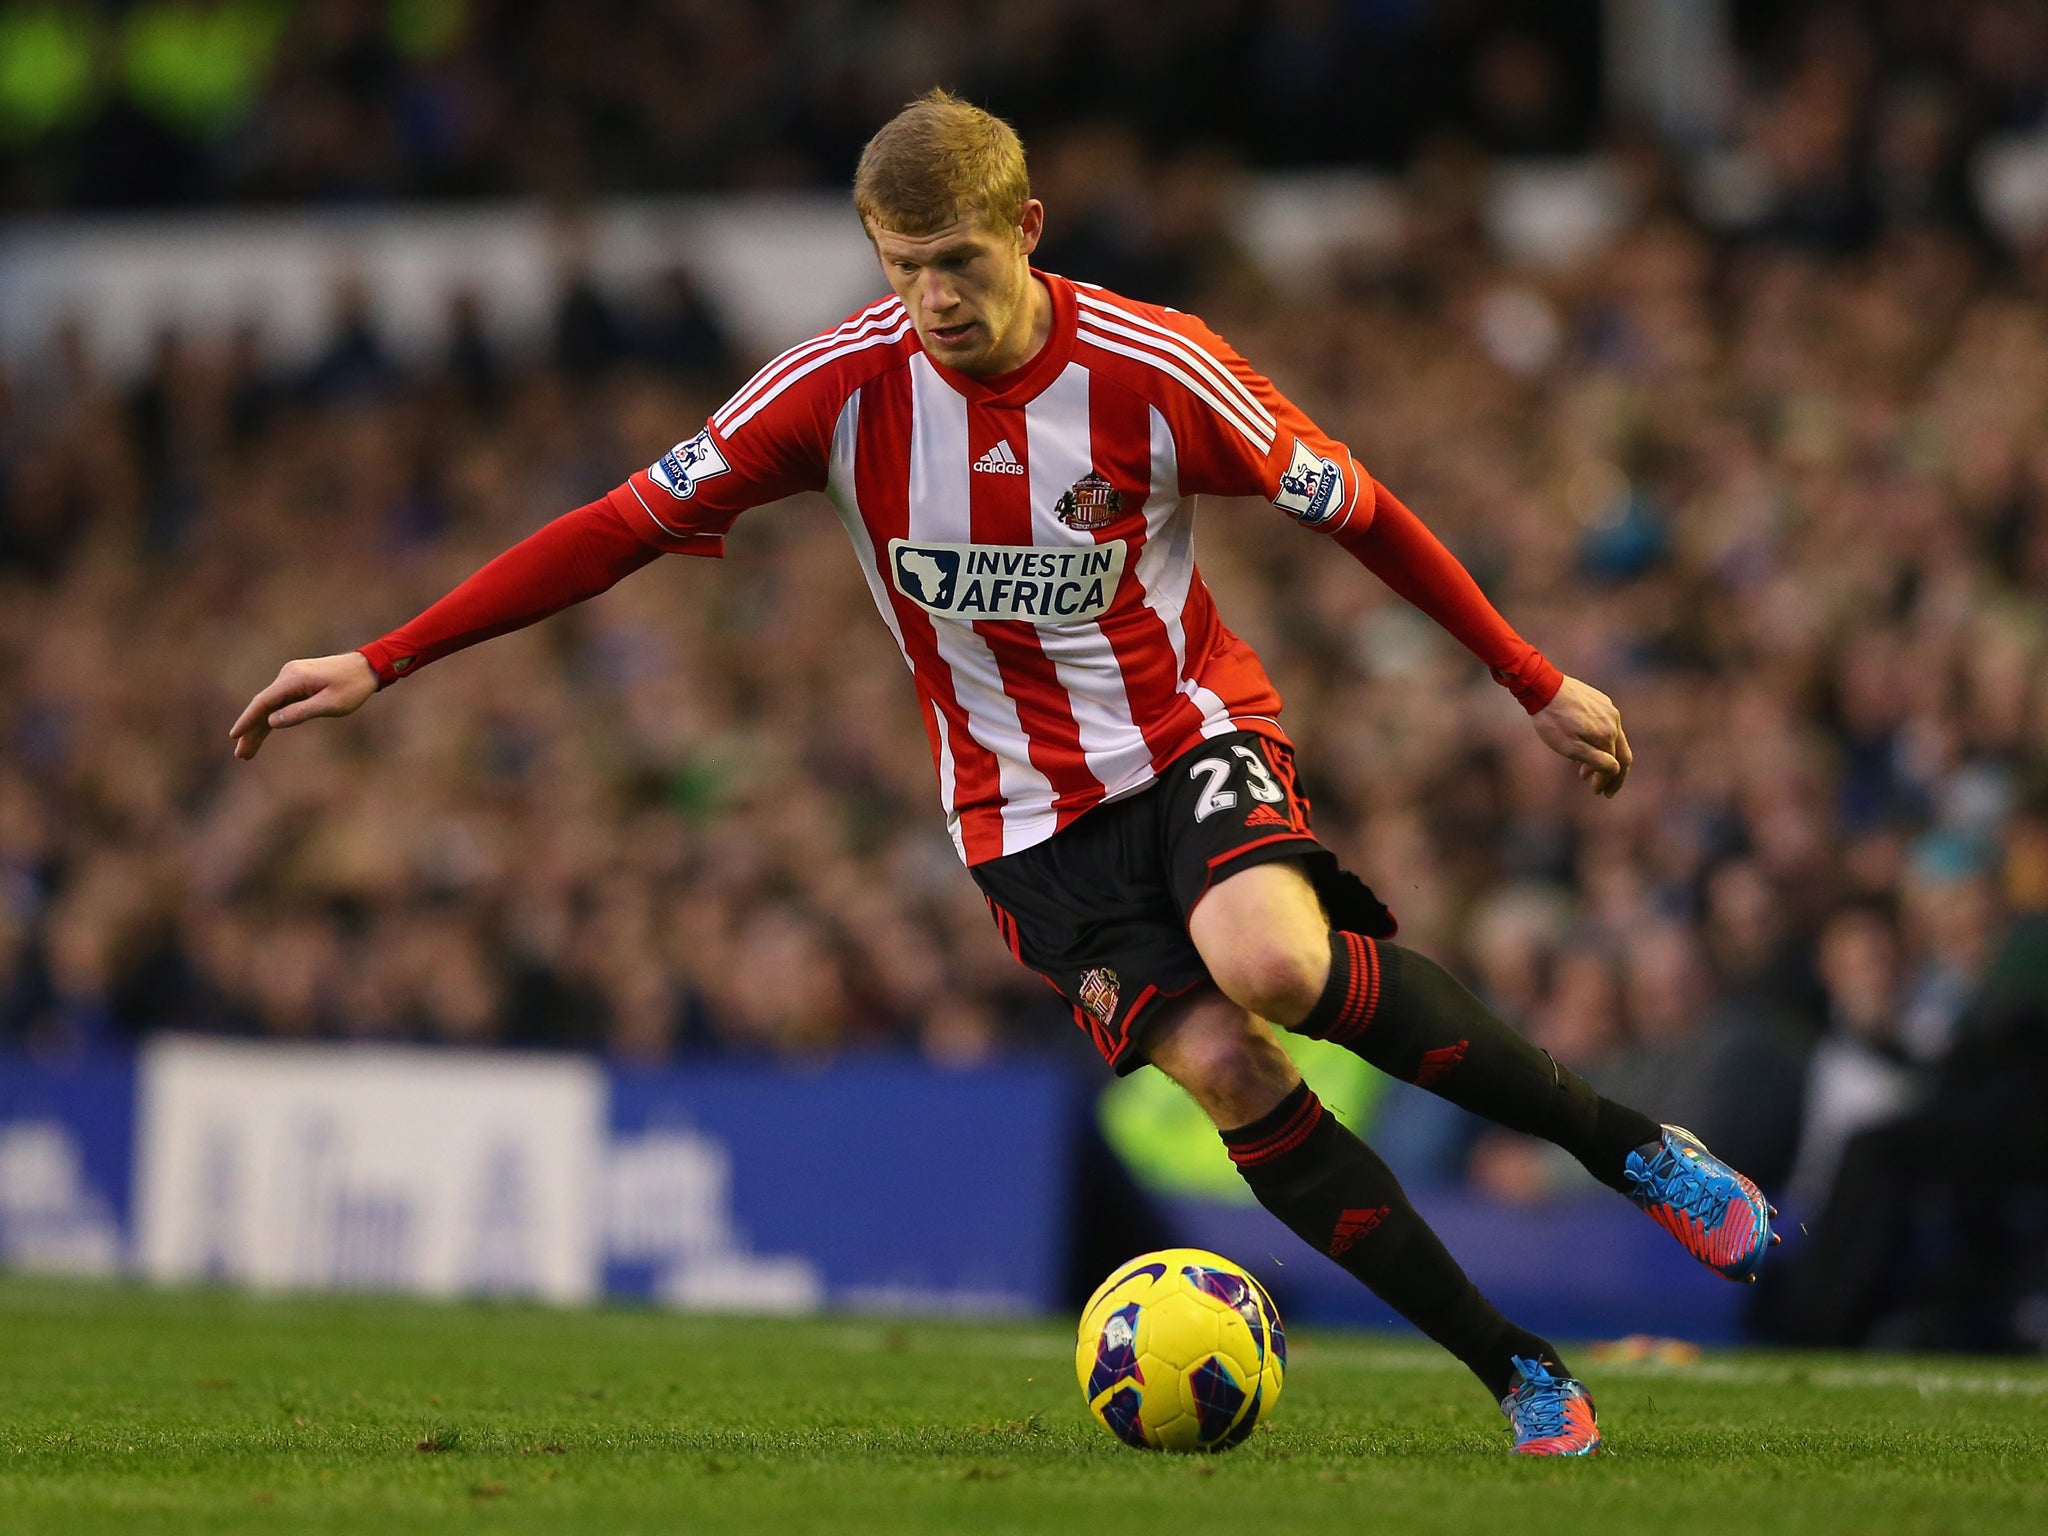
x=1016, y=459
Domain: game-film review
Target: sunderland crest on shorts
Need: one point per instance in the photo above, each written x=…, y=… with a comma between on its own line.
x=1098, y=993
x=1091, y=502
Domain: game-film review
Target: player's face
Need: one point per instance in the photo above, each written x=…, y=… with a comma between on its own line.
x=968, y=288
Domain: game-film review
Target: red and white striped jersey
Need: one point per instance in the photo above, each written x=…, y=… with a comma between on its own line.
x=1028, y=538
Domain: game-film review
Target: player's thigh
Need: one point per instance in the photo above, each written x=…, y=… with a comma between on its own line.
x=1089, y=909
x=1227, y=1060
x=1263, y=935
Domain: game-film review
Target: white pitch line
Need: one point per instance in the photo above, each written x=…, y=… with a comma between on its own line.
x=1400, y=1360
x=1839, y=1378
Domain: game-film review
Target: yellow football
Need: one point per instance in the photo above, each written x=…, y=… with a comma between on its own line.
x=1180, y=1350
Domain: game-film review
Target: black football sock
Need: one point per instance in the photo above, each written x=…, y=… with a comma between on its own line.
x=1413, y=1020
x=1333, y=1192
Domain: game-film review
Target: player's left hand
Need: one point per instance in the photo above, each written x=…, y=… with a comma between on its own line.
x=1581, y=723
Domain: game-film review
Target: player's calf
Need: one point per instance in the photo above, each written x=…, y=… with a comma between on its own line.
x=1332, y=1190
x=1336, y=1195
x=1413, y=1020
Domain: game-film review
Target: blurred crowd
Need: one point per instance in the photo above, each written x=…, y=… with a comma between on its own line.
x=1783, y=494
x=157, y=102
x=153, y=103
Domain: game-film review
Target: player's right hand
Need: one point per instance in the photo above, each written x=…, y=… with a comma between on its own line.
x=304, y=690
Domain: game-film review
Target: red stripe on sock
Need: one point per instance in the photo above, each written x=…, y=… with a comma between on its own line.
x=1362, y=992
x=1354, y=990
x=1283, y=1141
x=1361, y=977
x=1356, y=998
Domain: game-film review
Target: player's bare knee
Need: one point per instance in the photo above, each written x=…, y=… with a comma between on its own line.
x=1229, y=1064
x=1274, y=976
x=1237, y=1087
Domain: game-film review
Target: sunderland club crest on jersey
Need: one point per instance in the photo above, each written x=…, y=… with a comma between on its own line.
x=1091, y=502
x=1098, y=993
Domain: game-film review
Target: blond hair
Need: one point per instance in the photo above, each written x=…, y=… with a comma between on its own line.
x=937, y=161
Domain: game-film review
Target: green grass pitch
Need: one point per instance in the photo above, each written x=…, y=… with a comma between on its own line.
x=146, y=1411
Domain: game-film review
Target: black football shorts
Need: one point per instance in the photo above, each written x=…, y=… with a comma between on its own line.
x=1100, y=909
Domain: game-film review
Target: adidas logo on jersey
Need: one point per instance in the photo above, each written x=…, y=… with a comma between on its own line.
x=999, y=460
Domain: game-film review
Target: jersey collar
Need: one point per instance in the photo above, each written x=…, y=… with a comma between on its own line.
x=1022, y=384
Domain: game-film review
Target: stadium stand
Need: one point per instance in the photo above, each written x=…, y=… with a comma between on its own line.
x=1768, y=468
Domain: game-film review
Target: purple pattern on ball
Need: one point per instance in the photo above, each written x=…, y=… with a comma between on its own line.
x=1247, y=1424
x=1217, y=1398
x=1116, y=1362
x=1120, y=1413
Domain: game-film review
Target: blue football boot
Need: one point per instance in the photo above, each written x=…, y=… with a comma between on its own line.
x=1551, y=1415
x=1721, y=1218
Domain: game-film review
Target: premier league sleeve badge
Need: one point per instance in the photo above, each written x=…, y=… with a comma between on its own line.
x=688, y=464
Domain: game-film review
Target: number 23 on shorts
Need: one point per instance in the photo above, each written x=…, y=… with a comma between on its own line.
x=1214, y=772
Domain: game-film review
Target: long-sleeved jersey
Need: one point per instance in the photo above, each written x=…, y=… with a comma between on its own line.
x=1028, y=539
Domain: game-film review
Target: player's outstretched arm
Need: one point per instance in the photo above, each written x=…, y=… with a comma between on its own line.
x=1319, y=482
x=1582, y=723
x=1572, y=719
x=578, y=555
x=309, y=689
